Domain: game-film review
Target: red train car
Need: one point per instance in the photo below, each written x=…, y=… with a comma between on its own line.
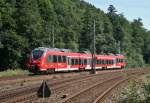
x=105, y=61
x=51, y=60
x=120, y=61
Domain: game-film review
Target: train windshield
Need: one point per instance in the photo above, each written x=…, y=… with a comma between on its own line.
x=37, y=54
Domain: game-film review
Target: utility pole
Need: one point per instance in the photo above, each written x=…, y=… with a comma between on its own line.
x=0, y=41
x=119, y=51
x=93, y=71
x=53, y=34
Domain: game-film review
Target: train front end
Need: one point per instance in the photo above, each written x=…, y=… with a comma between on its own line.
x=36, y=60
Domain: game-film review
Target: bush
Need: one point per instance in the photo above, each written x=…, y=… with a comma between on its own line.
x=137, y=92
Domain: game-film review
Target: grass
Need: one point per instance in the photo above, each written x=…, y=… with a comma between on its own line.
x=16, y=72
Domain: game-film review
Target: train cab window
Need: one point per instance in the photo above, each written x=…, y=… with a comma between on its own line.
x=37, y=54
x=55, y=58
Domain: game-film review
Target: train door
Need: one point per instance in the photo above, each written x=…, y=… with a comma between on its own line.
x=115, y=63
x=61, y=63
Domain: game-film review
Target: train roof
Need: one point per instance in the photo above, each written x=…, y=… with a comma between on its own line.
x=53, y=49
x=105, y=57
x=74, y=55
x=69, y=53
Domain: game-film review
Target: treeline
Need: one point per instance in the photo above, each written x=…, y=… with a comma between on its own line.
x=27, y=24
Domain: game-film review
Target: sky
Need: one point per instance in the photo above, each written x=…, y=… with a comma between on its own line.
x=131, y=9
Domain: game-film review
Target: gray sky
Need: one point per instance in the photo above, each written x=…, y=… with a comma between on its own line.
x=132, y=9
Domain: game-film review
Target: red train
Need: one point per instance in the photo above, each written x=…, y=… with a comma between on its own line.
x=51, y=60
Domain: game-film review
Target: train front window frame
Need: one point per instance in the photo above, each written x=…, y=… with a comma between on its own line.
x=37, y=54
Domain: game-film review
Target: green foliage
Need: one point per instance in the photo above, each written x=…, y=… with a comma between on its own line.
x=136, y=92
x=27, y=24
x=131, y=95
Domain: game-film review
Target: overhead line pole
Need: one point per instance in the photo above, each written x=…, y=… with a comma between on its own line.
x=53, y=41
x=93, y=51
x=119, y=47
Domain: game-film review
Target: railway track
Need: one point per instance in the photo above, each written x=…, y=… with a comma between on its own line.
x=97, y=91
x=28, y=94
x=80, y=96
x=10, y=96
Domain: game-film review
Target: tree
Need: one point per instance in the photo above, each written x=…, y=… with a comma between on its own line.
x=13, y=44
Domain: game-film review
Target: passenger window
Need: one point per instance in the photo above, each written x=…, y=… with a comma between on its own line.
x=85, y=61
x=100, y=61
x=72, y=61
x=77, y=61
x=105, y=61
x=69, y=61
x=49, y=59
x=59, y=59
x=96, y=61
x=64, y=59
x=55, y=58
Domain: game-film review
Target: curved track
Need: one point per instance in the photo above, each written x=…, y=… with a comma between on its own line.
x=76, y=87
x=29, y=92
